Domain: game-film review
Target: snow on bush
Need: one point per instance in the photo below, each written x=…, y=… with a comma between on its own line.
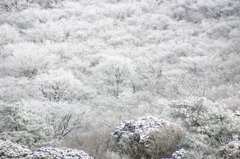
x=11, y=150
x=19, y=5
x=8, y=34
x=59, y=153
x=26, y=59
x=231, y=150
x=209, y=127
x=146, y=137
x=179, y=154
x=60, y=85
x=24, y=127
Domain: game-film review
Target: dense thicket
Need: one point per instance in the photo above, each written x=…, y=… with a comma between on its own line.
x=81, y=67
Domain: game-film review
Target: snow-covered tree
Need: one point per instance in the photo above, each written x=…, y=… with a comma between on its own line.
x=209, y=126
x=114, y=75
x=13, y=5
x=230, y=150
x=26, y=60
x=66, y=119
x=63, y=117
x=8, y=34
x=99, y=62
x=24, y=127
x=60, y=85
x=19, y=5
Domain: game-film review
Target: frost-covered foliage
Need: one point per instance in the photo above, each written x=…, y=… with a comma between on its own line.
x=114, y=76
x=146, y=137
x=209, y=126
x=60, y=85
x=231, y=150
x=59, y=153
x=17, y=151
x=11, y=150
x=187, y=10
x=19, y=5
x=179, y=154
x=13, y=5
x=8, y=34
x=99, y=62
x=63, y=118
x=23, y=127
x=27, y=60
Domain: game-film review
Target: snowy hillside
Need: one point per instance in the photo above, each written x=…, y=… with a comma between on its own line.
x=72, y=70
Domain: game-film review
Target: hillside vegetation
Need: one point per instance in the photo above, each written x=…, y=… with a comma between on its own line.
x=72, y=70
